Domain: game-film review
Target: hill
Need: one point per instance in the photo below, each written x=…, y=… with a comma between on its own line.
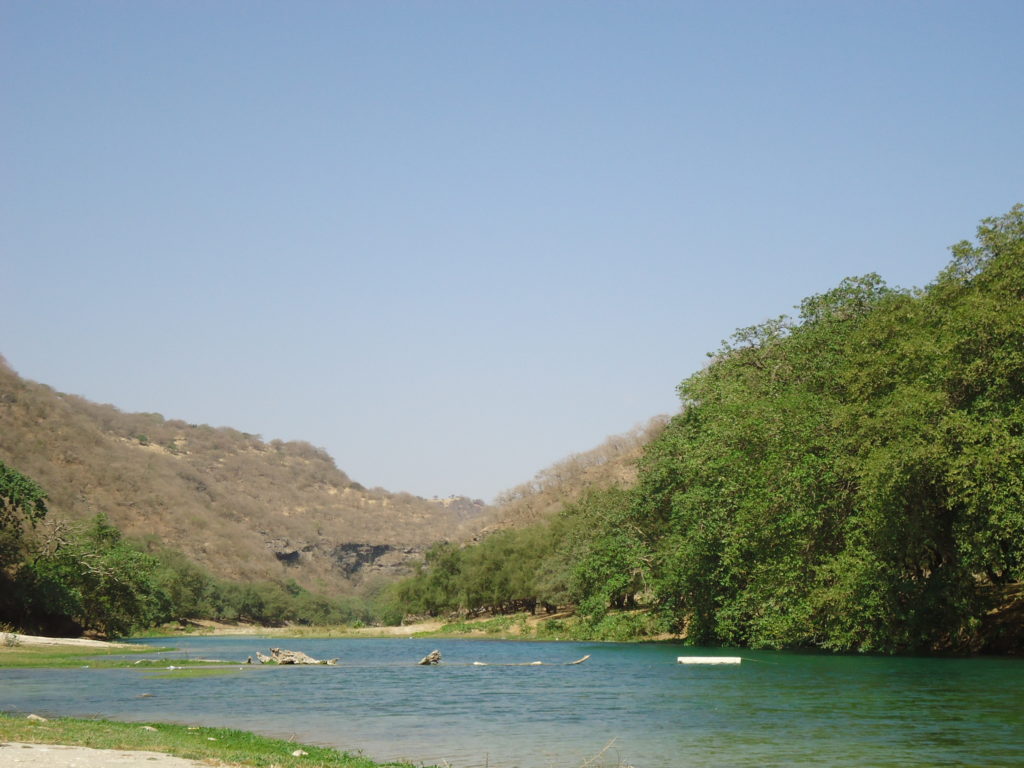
x=242, y=507
x=614, y=463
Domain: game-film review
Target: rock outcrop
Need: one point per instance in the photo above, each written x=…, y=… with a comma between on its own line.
x=281, y=656
x=434, y=657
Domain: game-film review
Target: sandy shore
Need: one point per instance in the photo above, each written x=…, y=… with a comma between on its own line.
x=15, y=754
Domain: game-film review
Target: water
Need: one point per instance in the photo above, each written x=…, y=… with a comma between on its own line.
x=775, y=709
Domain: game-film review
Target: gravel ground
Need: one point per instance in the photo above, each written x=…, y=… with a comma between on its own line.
x=15, y=754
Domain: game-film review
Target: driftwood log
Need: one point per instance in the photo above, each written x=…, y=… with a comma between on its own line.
x=532, y=663
x=434, y=657
x=281, y=656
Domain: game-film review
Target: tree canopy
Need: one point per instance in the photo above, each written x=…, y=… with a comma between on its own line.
x=21, y=500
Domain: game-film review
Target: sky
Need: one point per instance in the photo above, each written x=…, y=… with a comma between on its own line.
x=454, y=242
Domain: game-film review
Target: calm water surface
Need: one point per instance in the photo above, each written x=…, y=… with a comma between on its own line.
x=775, y=709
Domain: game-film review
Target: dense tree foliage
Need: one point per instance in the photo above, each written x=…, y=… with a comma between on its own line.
x=22, y=502
x=509, y=571
x=852, y=478
x=93, y=578
x=846, y=480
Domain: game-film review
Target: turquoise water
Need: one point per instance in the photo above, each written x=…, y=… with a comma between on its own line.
x=775, y=709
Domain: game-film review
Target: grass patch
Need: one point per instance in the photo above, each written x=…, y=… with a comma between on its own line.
x=72, y=656
x=513, y=626
x=171, y=631
x=312, y=632
x=176, y=674
x=615, y=626
x=223, y=744
x=556, y=629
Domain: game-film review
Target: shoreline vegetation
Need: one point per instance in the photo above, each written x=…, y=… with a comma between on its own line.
x=26, y=651
x=564, y=625
x=226, y=746
x=22, y=650
x=34, y=651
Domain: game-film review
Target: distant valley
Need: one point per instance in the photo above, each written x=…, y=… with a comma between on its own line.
x=247, y=509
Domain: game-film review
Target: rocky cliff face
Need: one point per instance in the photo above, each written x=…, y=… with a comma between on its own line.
x=240, y=506
x=352, y=560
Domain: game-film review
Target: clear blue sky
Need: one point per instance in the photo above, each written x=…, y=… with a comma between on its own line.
x=453, y=242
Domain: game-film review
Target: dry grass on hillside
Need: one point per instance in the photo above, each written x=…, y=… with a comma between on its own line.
x=614, y=462
x=228, y=499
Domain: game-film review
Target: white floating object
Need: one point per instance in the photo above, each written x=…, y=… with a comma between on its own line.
x=709, y=659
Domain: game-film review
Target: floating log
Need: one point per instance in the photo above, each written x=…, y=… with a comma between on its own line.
x=532, y=663
x=281, y=656
x=709, y=660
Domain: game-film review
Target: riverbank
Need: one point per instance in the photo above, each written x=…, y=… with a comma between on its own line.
x=619, y=626
x=63, y=742
x=15, y=640
x=33, y=651
x=216, y=628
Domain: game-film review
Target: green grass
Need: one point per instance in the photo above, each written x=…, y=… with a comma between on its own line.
x=313, y=632
x=171, y=631
x=71, y=656
x=616, y=626
x=175, y=674
x=512, y=627
x=223, y=744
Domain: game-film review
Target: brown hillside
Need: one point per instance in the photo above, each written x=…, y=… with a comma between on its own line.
x=242, y=507
x=613, y=463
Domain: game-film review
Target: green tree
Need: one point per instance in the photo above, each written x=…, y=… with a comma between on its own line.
x=22, y=502
x=847, y=480
x=610, y=553
x=191, y=592
x=96, y=579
